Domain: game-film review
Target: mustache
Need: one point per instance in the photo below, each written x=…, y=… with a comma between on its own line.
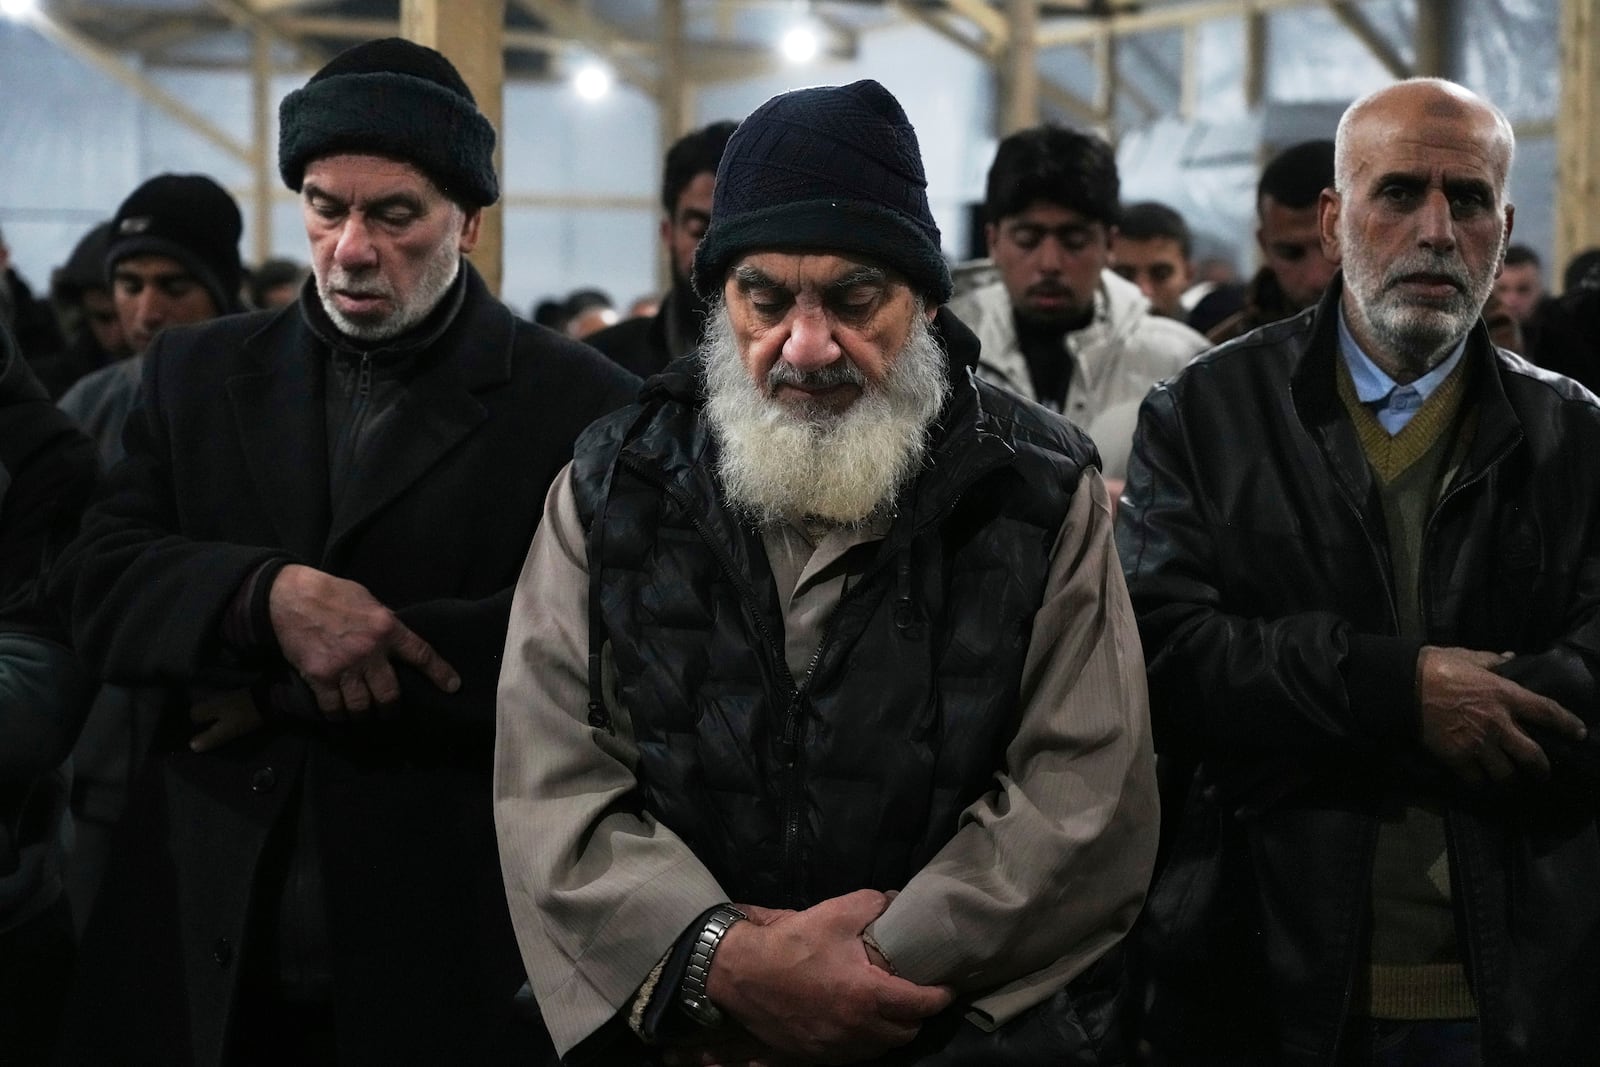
x=1441, y=268
x=839, y=372
x=356, y=283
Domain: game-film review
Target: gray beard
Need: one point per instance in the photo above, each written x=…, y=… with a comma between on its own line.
x=437, y=275
x=1415, y=337
x=780, y=464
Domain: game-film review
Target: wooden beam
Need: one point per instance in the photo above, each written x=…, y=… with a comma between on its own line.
x=1019, y=73
x=1362, y=29
x=994, y=25
x=1430, y=37
x=468, y=33
x=245, y=17
x=262, y=114
x=1070, y=103
x=941, y=24
x=71, y=40
x=353, y=29
x=1577, y=148
x=596, y=33
x=673, y=107
x=1255, y=60
x=1164, y=17
x=1189, y=77
x=1106, y=88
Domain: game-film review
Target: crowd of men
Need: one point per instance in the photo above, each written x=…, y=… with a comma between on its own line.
x=857, y=659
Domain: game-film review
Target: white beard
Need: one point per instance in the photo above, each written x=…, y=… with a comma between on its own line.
x=780, y=463
x=438, y=273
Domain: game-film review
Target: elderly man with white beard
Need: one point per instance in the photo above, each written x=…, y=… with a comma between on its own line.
x=1364, y=548
x=822, y=724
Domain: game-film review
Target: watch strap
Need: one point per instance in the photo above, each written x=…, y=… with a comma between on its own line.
x=692, y=996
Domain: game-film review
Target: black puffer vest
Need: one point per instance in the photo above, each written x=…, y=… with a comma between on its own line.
x=793, y=794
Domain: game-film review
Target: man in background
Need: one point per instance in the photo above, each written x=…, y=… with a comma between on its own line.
x=645, y=346
x=1294, y=271
x=173, y=260
x=1058, y=326
x=1152, y=249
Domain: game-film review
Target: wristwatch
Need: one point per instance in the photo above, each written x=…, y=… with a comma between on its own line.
x=692, y=996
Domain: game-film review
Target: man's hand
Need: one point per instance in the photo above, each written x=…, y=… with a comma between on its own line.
x=225, y=716
x=1472, y=717
x=340, y=639
x=802, y=984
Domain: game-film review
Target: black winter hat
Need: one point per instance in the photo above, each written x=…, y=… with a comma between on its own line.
x=832, y=169
x=85, y=269
x=397, y=99
x=193, y=220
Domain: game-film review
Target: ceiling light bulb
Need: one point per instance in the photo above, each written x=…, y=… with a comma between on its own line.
x=592, y=81
x=18, y=9
x=800, y=45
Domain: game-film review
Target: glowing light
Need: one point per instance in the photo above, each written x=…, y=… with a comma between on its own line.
x=18, y=9
x=800, y=45
x=592, y=81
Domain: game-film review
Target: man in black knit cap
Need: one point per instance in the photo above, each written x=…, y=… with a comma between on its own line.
x=822, y=721
x=312, y=543
x=172, y=259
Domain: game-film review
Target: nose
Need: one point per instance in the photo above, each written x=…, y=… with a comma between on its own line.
x=1435, y=226
x=1050, y=256
x=150, y=309
x=810, y=345
x=355, y=248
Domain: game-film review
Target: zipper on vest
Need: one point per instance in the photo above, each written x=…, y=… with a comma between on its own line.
x=795, y=692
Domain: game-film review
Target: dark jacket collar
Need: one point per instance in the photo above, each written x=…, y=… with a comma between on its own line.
x=282, y=425
x=1316, y=399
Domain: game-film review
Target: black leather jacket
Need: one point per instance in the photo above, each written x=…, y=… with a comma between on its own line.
x=1256, y=556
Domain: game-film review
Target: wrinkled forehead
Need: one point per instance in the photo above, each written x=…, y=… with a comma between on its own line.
x=1423, y=129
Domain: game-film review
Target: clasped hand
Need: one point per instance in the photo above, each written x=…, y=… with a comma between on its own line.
x=803, y=986
x=1473, y=719
x=341, y=640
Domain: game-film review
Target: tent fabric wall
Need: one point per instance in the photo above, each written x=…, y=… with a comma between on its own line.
x=73, y=142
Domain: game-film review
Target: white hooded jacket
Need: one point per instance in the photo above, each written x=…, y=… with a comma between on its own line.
x=1116, y=359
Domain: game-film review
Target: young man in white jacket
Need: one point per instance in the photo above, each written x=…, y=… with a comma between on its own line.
x=1055, y=323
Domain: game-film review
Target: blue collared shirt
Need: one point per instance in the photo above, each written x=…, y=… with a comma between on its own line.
x=1393, y=404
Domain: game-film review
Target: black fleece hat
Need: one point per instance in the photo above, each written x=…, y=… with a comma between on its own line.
x=834, y=169
x=397, y=99
x=193, y=220
x=85, y=269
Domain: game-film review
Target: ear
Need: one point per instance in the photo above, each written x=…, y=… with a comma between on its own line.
x=1505, y=241
x=470, y=227
x=666, y=231
x=1328, y=207
x=929, y=312
x=991, y=234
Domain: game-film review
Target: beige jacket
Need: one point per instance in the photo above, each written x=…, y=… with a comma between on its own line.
x=1116, y=358
x=1046, y=872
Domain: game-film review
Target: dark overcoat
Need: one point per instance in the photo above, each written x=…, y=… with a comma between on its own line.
x=227, y=468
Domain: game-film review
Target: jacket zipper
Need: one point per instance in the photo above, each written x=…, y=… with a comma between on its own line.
x=794, y=693
x=1394, y=619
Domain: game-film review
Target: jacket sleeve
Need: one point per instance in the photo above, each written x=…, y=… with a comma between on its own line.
x=598, y=890
x=1228, y=684
x=147, y=602
x=1047, y=871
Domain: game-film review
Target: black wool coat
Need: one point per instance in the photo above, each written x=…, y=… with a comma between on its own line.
x=227, y=468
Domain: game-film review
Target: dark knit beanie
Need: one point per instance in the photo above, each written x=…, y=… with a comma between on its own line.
x=85, y=269
x=189, y=218
x=833, y=169
x=396, y=99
